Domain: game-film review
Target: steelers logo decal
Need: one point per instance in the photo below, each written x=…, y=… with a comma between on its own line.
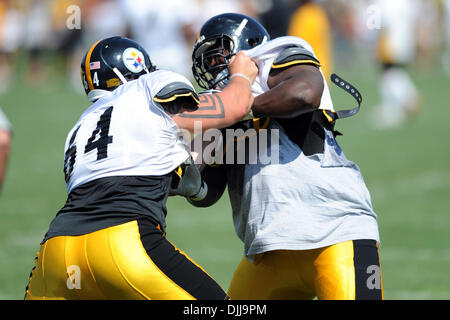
x=134, y=60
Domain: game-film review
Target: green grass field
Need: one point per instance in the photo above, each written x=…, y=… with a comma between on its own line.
x=406, y=169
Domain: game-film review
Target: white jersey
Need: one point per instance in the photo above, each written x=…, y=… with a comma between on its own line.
x=158, y=26
x=125, y=133
x=265, y=54
x=399, y=21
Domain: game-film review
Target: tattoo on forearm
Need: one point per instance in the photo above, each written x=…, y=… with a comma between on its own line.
x=210, y=107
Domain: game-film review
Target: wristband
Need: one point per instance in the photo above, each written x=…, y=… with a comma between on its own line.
x=238, y=74
x=201, y=194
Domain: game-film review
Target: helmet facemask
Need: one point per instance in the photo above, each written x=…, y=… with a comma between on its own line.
x=211, y=58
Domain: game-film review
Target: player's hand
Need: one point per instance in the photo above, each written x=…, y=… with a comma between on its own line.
x=241, y=63
x=191, y=184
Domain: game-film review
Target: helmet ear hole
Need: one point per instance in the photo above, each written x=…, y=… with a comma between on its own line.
x=253, y=42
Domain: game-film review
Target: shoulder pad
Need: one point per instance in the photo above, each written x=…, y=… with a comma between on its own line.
x=294, y=55
x=176, y=90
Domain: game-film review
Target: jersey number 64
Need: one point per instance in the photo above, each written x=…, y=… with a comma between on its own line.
x=99, y=140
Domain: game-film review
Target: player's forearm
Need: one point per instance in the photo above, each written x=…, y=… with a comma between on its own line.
x=219, y=110
x=293, y=91
x=238, y=98
x=287, y=100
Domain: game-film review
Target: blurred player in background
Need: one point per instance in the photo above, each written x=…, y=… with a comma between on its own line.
x=122, y=158
x=168, y=28
x=310, y=22
x=163, y=28
x=446, y=55
x=204, y=9
x=306, y=221
x=5, y=144
x=37, y=38
x=103, y=19
x=428, y=32
x=397, y=48
x=67, y=36
x=275, y=16
x=11, y=38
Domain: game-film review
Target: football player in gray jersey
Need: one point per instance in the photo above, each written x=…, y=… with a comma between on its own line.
x=306, y=220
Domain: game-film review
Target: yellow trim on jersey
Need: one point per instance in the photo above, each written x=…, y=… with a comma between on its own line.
x=256, y=122
x=175, y=96
x=327, y=116
x=266, y=123
x=288, y=64
x=87, y=64
x=179, y=173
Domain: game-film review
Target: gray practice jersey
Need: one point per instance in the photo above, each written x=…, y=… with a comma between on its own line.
x=301, y=202
x=298, y=201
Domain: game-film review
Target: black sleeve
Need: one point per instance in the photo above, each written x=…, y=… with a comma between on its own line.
x=216, y=179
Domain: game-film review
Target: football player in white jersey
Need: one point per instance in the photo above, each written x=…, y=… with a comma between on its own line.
x=306, y=220
x=122, y=158
x=400, y=98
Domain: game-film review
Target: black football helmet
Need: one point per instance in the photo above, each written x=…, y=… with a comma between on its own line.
x=111, y=62
x=220, y=38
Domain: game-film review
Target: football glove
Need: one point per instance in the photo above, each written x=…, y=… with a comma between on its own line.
x=191, y=184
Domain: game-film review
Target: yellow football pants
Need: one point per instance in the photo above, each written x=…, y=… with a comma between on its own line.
x=128, y=261
x=344, y=271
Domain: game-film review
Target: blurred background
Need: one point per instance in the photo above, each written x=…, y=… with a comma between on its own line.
x=397, y=53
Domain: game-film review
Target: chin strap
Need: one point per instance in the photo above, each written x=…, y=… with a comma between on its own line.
x=341, y=83
x=120, y=75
